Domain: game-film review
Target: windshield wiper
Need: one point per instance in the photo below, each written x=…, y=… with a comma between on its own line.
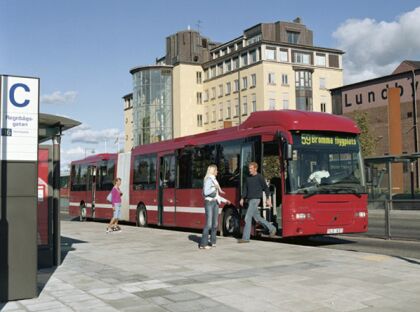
x=319, y=191
x=350, y=190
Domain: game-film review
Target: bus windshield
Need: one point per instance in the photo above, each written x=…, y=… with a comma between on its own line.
x=325, y=164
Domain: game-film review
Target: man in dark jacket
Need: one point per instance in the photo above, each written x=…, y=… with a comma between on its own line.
x=254, y=186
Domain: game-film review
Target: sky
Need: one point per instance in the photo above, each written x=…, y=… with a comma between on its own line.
x=82, y=50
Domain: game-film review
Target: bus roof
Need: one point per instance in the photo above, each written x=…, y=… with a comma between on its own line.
x=96, y=158
x=263, y=122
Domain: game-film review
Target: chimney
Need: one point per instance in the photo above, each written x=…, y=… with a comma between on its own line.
x=297, y=20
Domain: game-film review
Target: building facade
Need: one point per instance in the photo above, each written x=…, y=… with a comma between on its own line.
x=128, y=122
x=371, y=96
x=270, y=66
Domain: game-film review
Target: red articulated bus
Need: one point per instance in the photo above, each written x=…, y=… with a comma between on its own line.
x=311, y=161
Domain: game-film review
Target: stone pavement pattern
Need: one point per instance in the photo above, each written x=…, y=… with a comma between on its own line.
x=146, y=269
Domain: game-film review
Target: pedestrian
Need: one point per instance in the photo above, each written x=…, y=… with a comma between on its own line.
x=212, y=199
x=253, y=187
x=116, y=206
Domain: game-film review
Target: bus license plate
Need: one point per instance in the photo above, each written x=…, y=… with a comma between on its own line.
x=335, y=231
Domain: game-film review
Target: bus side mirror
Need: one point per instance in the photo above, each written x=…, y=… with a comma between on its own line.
x=287, y=152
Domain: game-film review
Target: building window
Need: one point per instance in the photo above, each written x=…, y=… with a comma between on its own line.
x=253, y=80
x=235, y=63
x=292, y=37
x=220, y=69
x=236, y=108
x=213, y=71
x=254, y=102
x=320, y=60
x=206, y=95
x=272, y=104
x=284, y=79
x=284, y=55
x=206, y=119
x=220, y=112
x=302, y=58
x=199, y=98
x=254, y=39
x=303, y=79
x=228, y=110
x=228, y=88
x=236, y=85
x=244, y=59
x=199, y=120
x=206, y=74
x=198, y=78
x=244, y=105
x=271, y=78
x=323, y=103
x=228, y=65
x=304, y=103
x=213, y=115
x=322, y=83
x=253, y=56
x=285, y=100
x=270, y=54
x=213, y=93
x=220, y=90
x=244, y=83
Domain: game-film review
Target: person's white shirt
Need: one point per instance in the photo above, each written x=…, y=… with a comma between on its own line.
x=318, y=175
x=211, y=185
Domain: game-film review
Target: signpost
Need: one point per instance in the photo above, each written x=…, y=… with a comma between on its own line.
x=19, y=111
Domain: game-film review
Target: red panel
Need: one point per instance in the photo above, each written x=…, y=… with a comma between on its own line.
x=43, y=196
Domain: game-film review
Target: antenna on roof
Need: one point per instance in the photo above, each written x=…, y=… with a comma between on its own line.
x=198, y=24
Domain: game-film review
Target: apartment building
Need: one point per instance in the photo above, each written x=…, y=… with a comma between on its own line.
x=271, y=66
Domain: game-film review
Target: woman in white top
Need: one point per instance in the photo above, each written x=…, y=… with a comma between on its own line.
x=211, y=191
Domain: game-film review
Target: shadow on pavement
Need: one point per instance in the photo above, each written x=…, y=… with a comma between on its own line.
x=408, y=260
x=194, y=238
x=44, y=275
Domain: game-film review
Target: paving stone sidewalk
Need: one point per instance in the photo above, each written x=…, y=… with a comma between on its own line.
x=149, y=269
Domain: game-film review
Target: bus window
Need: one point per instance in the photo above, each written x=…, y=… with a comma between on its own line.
x=144, y=172
x=228, y=165
x=105, y=175
x=80, y=178
x=193, y=165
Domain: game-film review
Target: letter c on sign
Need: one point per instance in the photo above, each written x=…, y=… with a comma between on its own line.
x=12, y=94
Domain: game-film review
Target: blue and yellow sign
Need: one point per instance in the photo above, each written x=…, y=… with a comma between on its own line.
x=309, y=139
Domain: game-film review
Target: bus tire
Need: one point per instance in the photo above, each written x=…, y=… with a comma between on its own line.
x=141, y=216
x=83, y=212
x=230, y=226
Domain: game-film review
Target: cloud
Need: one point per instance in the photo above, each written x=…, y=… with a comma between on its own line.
x=85, y=134
x=375, y=48
x=58, y=97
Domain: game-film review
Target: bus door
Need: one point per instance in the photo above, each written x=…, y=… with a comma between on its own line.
x=271, y=169
x=166, y=194
x=91, y=189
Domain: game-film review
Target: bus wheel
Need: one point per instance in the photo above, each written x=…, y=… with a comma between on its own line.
x=230, y=222
x=83, y=212
x=141, y=216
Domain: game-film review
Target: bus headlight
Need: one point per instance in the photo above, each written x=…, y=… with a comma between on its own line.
x=360, y=214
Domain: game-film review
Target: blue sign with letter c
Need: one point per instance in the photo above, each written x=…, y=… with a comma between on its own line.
x=12, y=94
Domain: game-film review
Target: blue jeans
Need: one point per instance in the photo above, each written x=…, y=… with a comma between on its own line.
x=212, y=213
x=253, y=212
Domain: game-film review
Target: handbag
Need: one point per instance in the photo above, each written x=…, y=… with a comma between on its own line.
x=109, y=197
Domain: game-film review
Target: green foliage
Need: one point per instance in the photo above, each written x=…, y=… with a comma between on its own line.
x=367, y=140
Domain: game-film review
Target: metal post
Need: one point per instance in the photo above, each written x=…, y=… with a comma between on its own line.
x=56, y=200
x=388, y=206
x=416, y=146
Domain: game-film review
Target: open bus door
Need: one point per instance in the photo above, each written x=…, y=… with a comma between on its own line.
x=166, y=192
x=91, y=189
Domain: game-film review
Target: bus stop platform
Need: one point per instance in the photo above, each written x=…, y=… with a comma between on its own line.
x=149, y=269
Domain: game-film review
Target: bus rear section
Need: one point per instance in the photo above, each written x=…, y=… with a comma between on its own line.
x=91, y=180
x=325, y=188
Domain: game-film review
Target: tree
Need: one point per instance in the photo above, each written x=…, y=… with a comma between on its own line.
x=367, y=139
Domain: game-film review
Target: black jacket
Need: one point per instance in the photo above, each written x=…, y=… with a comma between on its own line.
x=254, y=186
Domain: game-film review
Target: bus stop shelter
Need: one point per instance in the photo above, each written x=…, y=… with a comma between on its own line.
x=51, y=128
x=30, y=220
